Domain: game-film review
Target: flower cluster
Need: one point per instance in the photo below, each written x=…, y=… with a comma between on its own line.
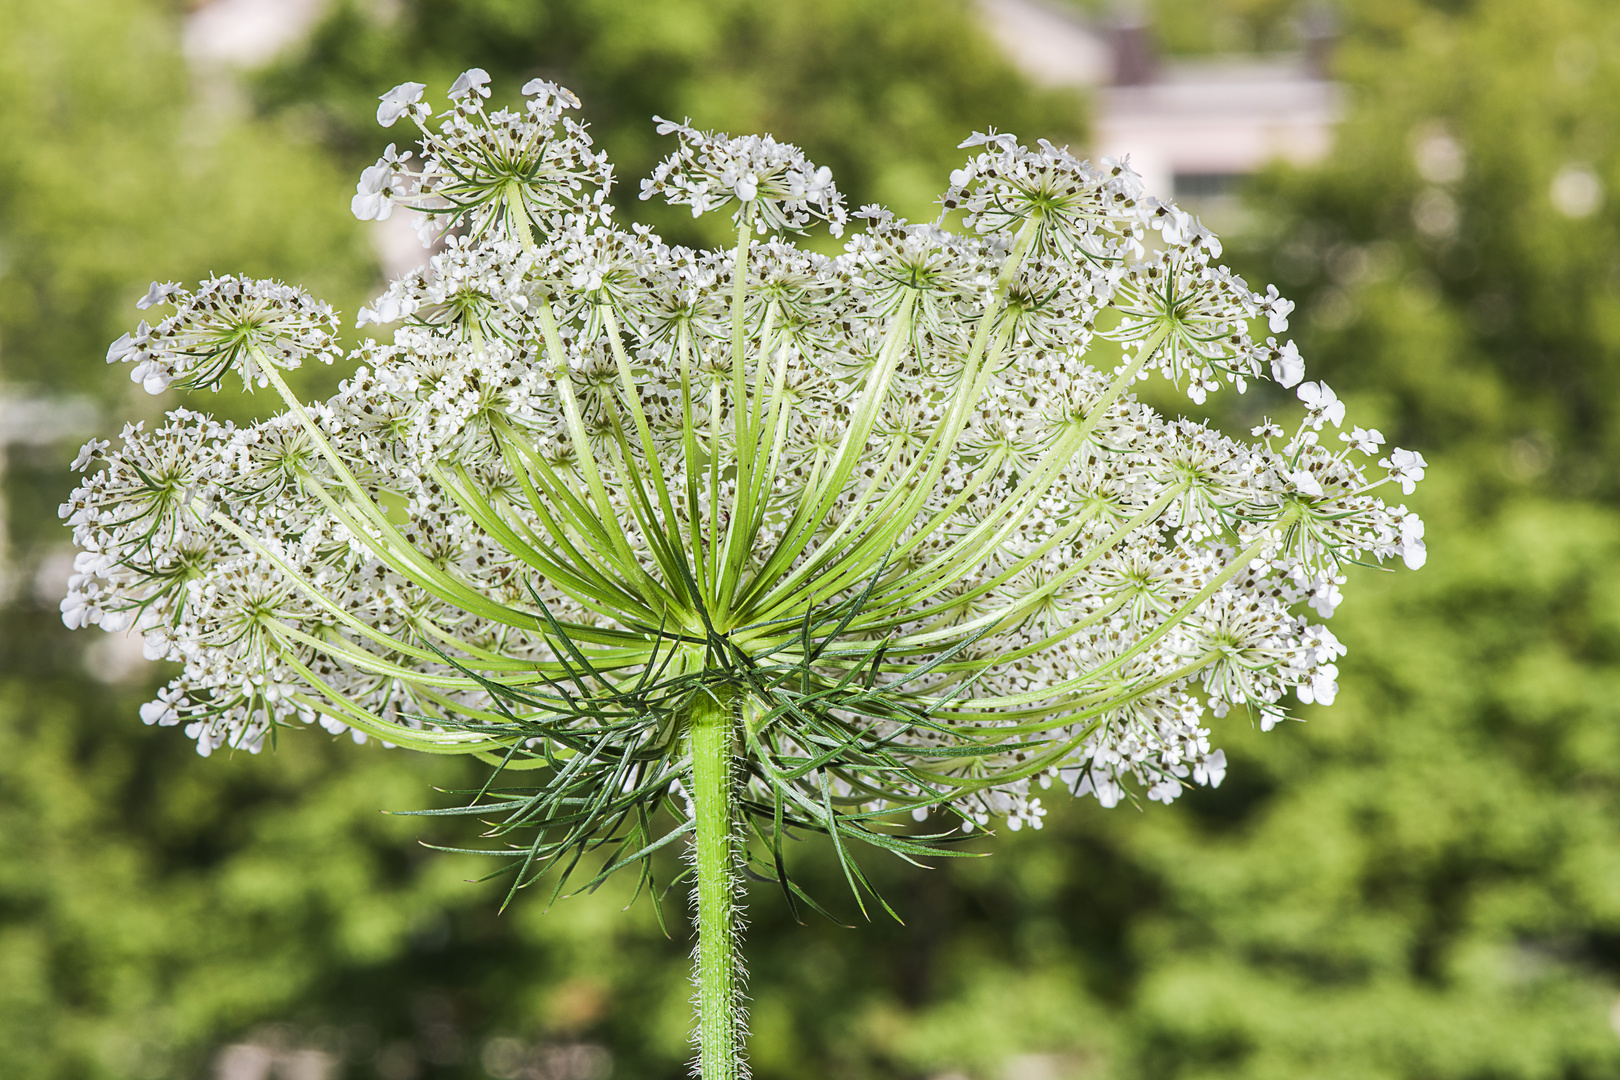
x=897, y=506
x=228, y=323
x=482, y=172
x=771, y=182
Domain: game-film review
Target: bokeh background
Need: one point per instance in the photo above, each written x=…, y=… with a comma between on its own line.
x=1420, y=883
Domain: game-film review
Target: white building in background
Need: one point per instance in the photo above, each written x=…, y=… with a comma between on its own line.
x=247, y=33
x=1191, y=127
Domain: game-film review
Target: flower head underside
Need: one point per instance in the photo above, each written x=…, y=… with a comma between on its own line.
x=897, y=508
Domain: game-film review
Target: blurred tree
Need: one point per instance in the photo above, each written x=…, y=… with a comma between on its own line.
x=1457, y=257
x=1422, y=882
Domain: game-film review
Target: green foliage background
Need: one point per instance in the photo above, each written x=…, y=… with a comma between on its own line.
x=1421, y=882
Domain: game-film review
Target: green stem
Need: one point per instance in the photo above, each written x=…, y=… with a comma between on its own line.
x=719, y=1022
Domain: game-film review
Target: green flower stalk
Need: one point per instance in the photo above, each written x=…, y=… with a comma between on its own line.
x=699, y=548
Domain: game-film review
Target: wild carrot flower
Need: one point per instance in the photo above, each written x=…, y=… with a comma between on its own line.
x=724, y=543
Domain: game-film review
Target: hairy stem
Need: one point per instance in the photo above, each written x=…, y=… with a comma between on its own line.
x=719, y=1021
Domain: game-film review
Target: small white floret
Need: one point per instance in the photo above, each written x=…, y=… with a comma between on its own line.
x=398, y=101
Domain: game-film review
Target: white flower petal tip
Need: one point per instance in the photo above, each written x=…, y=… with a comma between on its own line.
x=549, y=93
x=398, y=101
x=1276, y=309
x=158, y=293
x=1406, y=468
x=1322, y=405
x=472, y=81
x=1287, y=366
